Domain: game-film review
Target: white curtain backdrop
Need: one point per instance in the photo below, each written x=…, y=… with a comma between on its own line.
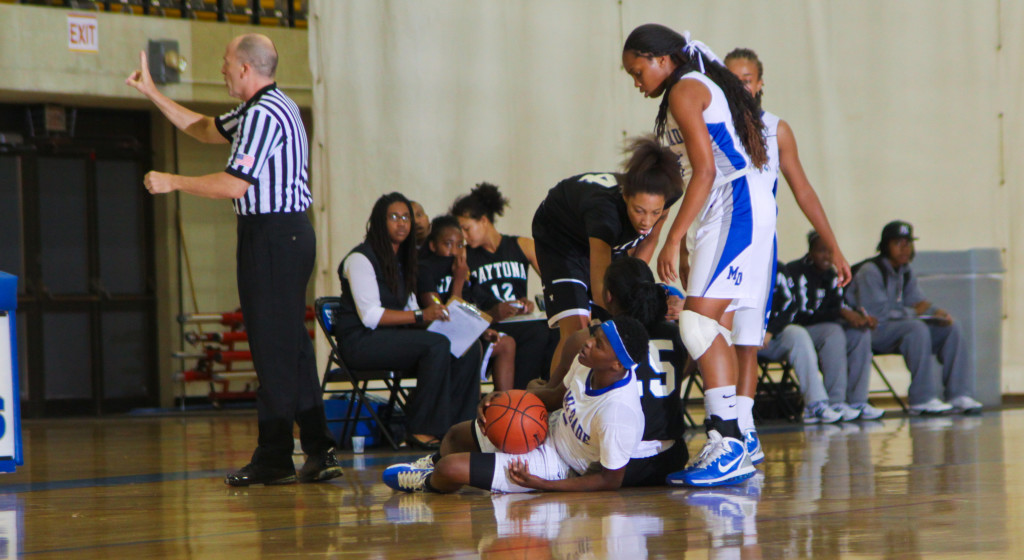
x=905, y=110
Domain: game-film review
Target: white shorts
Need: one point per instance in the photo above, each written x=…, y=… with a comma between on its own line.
x=750, y=323
x=730, y=245
x=543, y=462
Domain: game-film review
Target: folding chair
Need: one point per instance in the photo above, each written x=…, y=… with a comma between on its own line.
x=338, y=372
x=781, y=392
x=889, y=389
x=693, y=380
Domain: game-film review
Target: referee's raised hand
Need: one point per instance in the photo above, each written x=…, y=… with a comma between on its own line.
x=141, y=79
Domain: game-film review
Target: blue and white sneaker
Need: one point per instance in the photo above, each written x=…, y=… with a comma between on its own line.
x=753, y=444
x=405, y=478
x=723, y=461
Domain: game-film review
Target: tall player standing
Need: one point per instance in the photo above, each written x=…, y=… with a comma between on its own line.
x=714, y=127
x=748, y=325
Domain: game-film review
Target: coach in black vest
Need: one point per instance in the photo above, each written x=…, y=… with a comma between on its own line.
x=267, y=179
x=378, y=326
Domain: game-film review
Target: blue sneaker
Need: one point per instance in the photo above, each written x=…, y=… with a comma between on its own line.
x=405, y=478
x=753, y=444
x=723, y=461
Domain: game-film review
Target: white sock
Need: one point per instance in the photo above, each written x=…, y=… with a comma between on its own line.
x=721, y=402
x=745, y=410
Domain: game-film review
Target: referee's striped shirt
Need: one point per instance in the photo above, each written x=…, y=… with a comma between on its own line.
x=268, y=150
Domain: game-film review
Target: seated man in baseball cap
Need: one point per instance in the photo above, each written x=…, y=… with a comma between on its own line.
x=885, y=289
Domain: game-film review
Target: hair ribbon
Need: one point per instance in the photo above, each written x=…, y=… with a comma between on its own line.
x=693, y=46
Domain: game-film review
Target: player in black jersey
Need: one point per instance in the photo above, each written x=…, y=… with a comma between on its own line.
x=499, y=268
x=587, y=220
x=442, y=274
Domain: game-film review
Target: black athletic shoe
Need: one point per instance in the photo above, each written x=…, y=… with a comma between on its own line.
x=320, y=467
x=259, y=474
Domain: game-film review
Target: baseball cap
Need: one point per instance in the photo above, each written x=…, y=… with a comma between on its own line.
x=896, y=229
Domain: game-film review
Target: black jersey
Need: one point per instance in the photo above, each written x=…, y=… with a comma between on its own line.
x=660, y=378
x=434, y=274
x=585, y=206
x=498, y=276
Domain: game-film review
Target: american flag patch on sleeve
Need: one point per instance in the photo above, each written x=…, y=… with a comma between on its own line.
x=245, y=160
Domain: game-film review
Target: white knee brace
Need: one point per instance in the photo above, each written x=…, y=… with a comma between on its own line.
x=698, y=332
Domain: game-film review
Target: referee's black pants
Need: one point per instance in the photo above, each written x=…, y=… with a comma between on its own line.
x=275, y=255
x=447, y=388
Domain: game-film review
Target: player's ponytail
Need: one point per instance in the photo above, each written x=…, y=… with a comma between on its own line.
x=484, y=200
x=631, y=284
x=651, y=168
x=652, y=40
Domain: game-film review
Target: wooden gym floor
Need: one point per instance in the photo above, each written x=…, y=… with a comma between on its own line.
x=152, y=487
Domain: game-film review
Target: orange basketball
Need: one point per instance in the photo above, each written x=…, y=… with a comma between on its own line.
x=516, y=422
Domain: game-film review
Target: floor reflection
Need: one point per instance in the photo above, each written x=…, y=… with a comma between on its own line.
x=941, y=487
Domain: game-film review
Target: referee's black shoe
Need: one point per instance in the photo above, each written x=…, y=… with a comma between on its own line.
x=260, y=474
x=320, y=467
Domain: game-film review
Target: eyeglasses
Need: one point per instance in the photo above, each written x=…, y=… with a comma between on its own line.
x=396, y=217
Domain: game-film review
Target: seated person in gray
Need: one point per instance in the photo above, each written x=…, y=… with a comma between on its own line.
x=885, y=290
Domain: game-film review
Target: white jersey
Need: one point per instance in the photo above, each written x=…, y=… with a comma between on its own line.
x=731, y=159
x=751, y=319
x=596, y=425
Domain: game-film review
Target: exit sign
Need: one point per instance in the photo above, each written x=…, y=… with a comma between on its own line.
x=83, y=33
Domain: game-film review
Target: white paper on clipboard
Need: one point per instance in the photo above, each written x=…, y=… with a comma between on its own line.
x=465, y=325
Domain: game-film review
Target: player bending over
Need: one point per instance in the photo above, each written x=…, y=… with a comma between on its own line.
x=595, y=422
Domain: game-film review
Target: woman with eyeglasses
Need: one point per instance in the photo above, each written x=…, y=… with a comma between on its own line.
x=380, y=326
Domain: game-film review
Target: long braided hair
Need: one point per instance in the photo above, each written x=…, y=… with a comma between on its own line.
x=651, y=40
x=749, y=55
x=392, y=264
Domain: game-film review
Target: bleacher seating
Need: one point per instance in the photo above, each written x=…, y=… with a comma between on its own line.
x=275, y=13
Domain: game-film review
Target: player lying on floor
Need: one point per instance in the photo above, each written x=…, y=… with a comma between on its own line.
x=595, y=423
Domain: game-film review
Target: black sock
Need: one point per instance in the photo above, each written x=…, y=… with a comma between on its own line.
x=727, y=428
x=435, y=457
x=427, y=486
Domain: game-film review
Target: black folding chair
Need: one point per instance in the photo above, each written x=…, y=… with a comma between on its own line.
x=358, y=380
x=889, y=389
x=778, y=397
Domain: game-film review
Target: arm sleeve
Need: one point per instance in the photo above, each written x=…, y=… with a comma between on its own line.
x=258, y=137
x=912, y=294
x=227, y=123
x=782, y=304
x=868, y=291
x=602, y=223
x=620, y=430
x=363, y=282
x=831, y=303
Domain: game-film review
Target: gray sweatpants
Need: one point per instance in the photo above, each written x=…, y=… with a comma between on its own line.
x=917, y=340
x=844, y=356
x=794, y=345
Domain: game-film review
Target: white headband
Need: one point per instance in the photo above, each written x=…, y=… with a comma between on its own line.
x=691, y=48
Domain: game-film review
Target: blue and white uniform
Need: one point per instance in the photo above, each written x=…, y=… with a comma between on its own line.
x=751, y=319
x=723, y=263
x=593, y=426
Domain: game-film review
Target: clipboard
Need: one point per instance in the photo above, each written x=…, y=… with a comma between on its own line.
x=465, y=325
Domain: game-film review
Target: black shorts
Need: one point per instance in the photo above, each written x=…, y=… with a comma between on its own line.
x=564, y=272
x=651, y=471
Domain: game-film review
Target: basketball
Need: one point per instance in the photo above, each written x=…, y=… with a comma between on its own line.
x=516, y=422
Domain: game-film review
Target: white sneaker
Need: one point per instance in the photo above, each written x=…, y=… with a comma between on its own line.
x=848, y=412
x=820, y=412
x=868, y=412
x=966, y=405
x=934, y=406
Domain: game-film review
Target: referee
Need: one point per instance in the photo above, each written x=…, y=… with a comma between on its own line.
x=267, y=179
